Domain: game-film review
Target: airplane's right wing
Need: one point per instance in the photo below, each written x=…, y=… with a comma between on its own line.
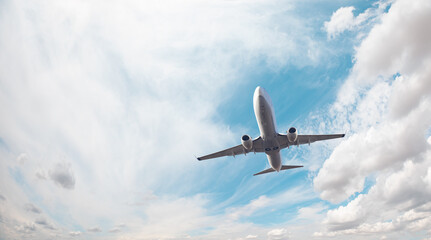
x=237, y=150
x=305, y=139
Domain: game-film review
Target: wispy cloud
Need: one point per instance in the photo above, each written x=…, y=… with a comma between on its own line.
x=109, y=99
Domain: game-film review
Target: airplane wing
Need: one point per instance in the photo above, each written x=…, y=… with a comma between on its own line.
x=233, y=151
x=305, y=139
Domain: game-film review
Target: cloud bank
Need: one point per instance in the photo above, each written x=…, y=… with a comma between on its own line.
x=386, y=103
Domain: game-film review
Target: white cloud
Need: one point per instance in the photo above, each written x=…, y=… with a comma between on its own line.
x=278, y=233
x=311, y=213
x=344, y=20
x=385, y=102
x=264, y=203
x=376, y=148
x=108, y=87
x=341, y=20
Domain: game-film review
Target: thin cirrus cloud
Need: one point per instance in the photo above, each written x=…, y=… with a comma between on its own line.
x=107, y=88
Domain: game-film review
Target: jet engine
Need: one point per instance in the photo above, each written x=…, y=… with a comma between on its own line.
x=292, y=134
x=247, y=142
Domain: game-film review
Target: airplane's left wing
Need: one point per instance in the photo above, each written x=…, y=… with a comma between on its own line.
x=237, y=150
x=305, y=139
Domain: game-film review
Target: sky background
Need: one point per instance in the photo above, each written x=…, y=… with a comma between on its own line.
x=104, y=106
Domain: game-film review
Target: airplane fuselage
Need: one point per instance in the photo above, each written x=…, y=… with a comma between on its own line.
x=270, y=141
x=265, y=117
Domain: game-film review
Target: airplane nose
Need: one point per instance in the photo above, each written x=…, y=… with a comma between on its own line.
x=259, y=91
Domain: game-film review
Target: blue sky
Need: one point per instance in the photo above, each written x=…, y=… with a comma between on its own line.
x=105, y=105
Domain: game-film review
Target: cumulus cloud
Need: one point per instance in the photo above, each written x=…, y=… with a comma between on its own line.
x=343, y=19
x=386, y=104
x=372, y=146
x=278, y=233
x=380, y=147
x=62, y=175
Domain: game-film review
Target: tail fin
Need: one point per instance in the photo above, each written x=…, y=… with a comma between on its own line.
x=283, y=167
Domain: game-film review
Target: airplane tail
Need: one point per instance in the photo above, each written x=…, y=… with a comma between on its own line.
x=283, y=167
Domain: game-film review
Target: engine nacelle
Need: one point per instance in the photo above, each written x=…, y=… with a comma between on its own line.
x=246, y=142
x=292, y=134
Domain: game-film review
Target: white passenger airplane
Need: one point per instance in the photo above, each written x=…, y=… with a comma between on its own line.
x=269, y=140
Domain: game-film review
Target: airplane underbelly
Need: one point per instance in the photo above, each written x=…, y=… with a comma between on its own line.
x=274, y=160
x=265, y=119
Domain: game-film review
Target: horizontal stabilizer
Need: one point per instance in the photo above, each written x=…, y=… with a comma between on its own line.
x=283, y=167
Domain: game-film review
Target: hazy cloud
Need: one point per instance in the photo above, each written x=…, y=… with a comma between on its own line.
x=22, y=158
x=94, y=229
x=251, y=236
x=115, y=230
x=44, y=223
x=31, y=208
x=41, y=174
x=26, y=228
x=62, y=175
x=75, y=233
